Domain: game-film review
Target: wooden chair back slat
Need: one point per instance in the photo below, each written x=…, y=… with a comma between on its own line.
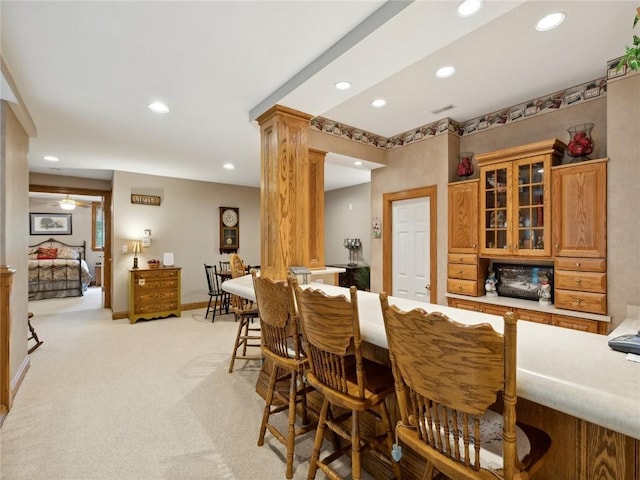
x=447, y=375
x=331, y=330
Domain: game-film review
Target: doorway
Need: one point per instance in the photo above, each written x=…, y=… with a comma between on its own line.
x=410, y=244
x=106, y=208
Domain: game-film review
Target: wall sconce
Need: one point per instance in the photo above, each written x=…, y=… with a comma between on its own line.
x=136, y=248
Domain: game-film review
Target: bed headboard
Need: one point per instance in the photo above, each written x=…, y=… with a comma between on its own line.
x=63, y=250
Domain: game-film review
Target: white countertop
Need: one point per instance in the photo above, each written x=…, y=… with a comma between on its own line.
x=571, y=371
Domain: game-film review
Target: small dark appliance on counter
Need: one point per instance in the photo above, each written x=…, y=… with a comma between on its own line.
x=522, y=281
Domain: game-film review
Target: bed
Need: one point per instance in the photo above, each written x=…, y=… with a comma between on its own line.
x=57, y=270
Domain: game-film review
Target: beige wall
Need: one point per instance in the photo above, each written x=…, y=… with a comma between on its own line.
x=347, y=215
x=623, y=215
x=14, y=230
x=186, y=223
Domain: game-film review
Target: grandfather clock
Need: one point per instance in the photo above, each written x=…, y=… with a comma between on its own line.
x=229, y=229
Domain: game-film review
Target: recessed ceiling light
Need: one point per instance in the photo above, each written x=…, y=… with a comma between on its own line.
x=343, y=85
x=550, y=21
x=228, y=166
x=357, y=163
x=51, y=158
x=379, y=102
x=158, y=107
x=469, y=7
x=445, y=72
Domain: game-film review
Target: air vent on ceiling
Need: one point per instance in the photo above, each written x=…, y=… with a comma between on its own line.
x=443, y=109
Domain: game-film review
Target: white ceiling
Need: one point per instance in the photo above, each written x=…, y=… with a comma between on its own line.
x=87, y=70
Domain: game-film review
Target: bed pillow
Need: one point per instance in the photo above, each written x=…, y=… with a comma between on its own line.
x=68, y=253
x=47, y=253
x=33, y=253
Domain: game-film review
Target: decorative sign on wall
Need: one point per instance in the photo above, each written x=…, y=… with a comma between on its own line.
x=145, y=199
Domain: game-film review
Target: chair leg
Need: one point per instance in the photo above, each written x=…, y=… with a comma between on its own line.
x=317, y=443
x=291, y=431
x=268, y=401
x=356, y=465
x=209, y=308
x=236, y=344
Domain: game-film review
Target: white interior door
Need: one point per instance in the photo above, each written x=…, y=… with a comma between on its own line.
x=411, y=264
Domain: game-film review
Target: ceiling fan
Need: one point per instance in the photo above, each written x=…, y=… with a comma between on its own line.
x=66, y=203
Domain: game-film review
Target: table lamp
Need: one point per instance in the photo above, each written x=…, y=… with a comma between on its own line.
x=136, y=249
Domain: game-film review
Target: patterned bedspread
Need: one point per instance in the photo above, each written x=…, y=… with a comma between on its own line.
x=58, y=269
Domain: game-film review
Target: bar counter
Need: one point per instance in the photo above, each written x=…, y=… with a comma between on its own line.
x=568, y=371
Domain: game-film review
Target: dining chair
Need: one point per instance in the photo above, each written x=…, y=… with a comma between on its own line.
x=356, y=386
x=447, y=376
x=282, y=351
x=245, y=312
x=216, y=294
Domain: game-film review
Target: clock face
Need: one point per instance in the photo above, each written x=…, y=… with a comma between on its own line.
x=230, y=218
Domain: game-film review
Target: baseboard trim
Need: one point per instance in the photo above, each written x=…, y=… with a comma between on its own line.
x=16, y=381
x=119, y=315
x=193, y=306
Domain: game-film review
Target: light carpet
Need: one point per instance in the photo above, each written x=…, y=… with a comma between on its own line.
x=105, y=399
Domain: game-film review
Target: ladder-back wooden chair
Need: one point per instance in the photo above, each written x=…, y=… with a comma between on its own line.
x=331, y=331
x=447, y=375
x=245, y=311
x=282, y=349
x=217, y=296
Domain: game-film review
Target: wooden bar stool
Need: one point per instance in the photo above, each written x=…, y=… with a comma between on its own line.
x=331, y=331
x=245, y=312
x=447, y=375
x=282, y=349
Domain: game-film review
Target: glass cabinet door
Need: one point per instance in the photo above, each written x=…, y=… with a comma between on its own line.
x=496, y=205
x=531, y=198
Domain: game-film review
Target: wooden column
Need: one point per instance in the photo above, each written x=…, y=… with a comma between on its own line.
x=291, y=195
x=6, y=278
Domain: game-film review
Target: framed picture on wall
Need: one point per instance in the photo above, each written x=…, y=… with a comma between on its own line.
x=50, y=223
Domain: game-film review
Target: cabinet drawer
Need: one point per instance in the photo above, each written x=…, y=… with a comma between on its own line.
x=156, y=274
x=469, y=258
x=583, y=281
x=155, y=295
x=581, y=264
x=575, y=323
x=156, y=307
x=462, y=271
x=151, y=284
x=533, y=316
x=463, y=304
x=494, y=309
x=581, y=301
x=464, y=287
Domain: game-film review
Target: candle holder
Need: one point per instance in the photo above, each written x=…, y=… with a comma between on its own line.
x=352, y=244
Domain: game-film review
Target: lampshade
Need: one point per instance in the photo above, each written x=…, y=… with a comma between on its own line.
x=136, y=247
x=67, y=203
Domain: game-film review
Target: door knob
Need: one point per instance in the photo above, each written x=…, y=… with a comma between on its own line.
x=427, y=287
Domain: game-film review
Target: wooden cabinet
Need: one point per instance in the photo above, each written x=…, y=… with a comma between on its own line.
x=154, y=293
x=463, y=217
x=97, y=275
x=359, y=276
x=515, y=199
x=465, y=271
x=579, y=236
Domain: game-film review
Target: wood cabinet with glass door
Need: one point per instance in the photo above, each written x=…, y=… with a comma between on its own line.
x=515, y=199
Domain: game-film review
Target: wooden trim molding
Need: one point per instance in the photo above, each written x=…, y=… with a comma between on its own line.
x=6, y=279
x=387, y=241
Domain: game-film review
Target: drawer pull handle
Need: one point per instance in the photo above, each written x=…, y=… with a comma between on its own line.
x=475, y=246
x=577, y=264
x=460, y=271
x=578, y=301
x=460, y=287
x=578, y=280
x=557, y=246
x=461, y=258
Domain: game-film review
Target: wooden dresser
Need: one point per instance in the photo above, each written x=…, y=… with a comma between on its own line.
x=154, y=293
